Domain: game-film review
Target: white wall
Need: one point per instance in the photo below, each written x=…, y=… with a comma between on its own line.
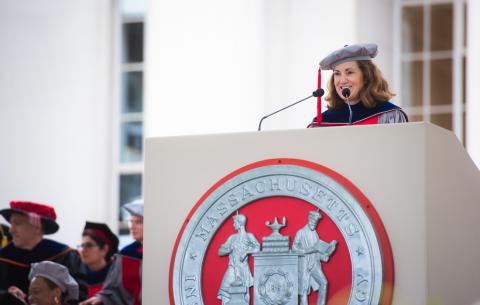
x=312, y=29
x=202, y=66
x=219, y=66
x=55, y=108
x=473, y=81
x=375, y=24
x=211, y=66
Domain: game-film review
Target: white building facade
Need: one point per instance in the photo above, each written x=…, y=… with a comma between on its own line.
x=75, y=106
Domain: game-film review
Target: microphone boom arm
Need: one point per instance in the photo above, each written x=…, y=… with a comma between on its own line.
x=316, y=93
x=286, y=107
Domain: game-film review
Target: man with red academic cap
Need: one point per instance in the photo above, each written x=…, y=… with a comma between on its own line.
x=29, y=222
x=123, y=285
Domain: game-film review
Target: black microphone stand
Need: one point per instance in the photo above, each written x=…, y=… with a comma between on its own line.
x=316, y=93
x=346, y=95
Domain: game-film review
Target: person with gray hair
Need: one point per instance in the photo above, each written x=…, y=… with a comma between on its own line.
x=29, y=223
x=123, y=285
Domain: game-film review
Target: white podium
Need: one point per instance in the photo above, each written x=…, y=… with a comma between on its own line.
x=419, y=178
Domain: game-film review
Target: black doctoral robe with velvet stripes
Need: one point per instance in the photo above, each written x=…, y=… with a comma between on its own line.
x=15, y=267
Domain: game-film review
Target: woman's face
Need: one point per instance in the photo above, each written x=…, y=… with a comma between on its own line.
x=41, y=294
x=90, y=253
x=348, y=75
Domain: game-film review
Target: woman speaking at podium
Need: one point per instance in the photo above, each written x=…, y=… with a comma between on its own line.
x=357, y=92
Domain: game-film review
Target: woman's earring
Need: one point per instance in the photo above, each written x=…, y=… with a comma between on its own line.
x=57, y=301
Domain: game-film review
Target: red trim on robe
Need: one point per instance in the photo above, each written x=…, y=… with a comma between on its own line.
x=369, y=121
x=93, y=289
x=131, y=279
x=373, y=120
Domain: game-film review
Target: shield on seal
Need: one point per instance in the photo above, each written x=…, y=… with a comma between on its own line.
x=351, y=249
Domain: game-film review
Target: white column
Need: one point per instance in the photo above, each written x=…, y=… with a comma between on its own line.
x=473, y=81
x=378, y=30
x=55, y=109
x=219, y=66
x=458, y=81
x=203, y=66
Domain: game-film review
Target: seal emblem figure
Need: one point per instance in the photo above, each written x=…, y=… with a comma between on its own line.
x=330, y=245
x=315, y=250
x=238, y=278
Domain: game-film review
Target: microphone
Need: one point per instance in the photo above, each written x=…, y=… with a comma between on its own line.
x=317, y=93
x=346, y=95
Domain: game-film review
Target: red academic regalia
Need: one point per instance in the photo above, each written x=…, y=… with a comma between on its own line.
x=123, y=285
x=96, y=279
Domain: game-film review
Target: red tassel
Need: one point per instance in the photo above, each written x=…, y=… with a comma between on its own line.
x=319, y=99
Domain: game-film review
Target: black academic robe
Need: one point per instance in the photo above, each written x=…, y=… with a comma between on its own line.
x=15, y=266
x=361, y=115
x=96, y=279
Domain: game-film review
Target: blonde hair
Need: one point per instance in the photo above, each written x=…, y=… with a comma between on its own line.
x=375, y=88
x=3, y=238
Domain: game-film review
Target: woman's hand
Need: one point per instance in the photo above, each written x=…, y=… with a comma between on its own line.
x=18, y=293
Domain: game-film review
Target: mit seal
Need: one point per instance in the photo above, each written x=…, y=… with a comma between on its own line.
x=329, y=245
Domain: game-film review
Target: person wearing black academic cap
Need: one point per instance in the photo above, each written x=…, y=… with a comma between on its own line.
x=98, y=246
x=29, y=222
x=123, y=285
x=357, y=92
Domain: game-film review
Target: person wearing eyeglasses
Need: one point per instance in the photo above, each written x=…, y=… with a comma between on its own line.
x=98, y=246
x=123, y=285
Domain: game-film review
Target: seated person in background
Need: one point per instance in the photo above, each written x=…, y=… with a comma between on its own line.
x=123, y=285
x=51, y=284
x=357, y=92
x=29, y=221
x=99, y=244
x=5, y=236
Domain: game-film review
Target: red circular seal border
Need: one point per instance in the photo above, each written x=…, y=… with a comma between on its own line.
x=385, y=247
